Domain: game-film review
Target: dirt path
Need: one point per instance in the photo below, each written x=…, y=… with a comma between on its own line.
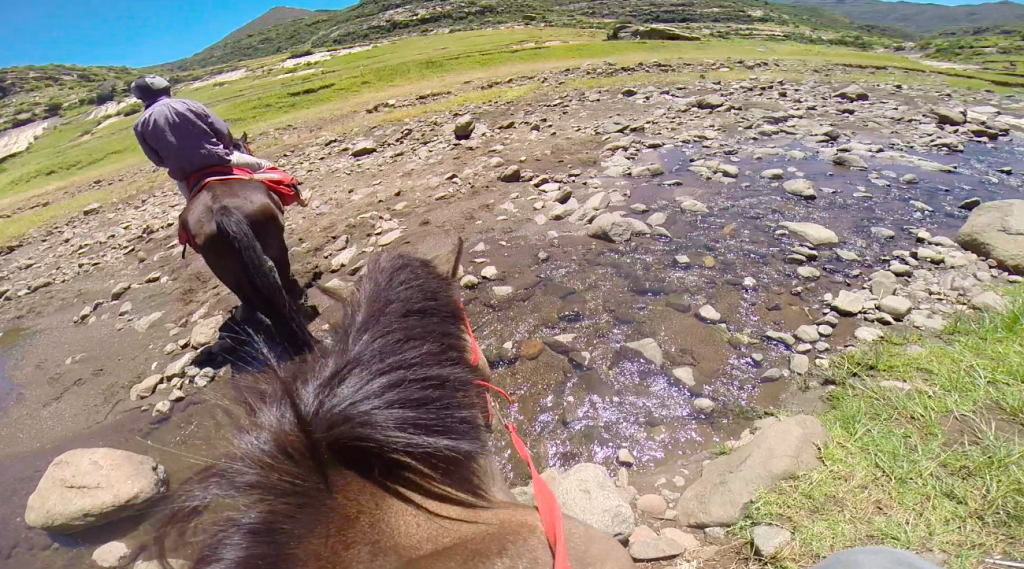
x=71, y=354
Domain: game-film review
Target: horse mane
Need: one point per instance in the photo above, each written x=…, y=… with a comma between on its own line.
x=389, y=397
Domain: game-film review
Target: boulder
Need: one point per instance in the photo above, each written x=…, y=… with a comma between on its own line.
x=800, y=187
x=895, y=306
x=989, y=302
x=586, y=493
x=848, y=303
x=649, y=348
x=996, y=230
x=728, y=484
x=112, y=554
x=363, y=148
x=86, y=487
x=206, y=332
x=464, y=127
x=812, y=233
x=655, y=549
x=768, y=540
x=949, y=117
x=851, y=94
x=611, y=227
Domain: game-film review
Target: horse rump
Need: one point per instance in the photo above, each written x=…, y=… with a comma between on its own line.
x=265, y=290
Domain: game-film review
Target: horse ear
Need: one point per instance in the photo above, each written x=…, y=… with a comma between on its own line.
x=447, y=263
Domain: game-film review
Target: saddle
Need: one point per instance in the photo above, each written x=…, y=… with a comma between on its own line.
x=280, y=183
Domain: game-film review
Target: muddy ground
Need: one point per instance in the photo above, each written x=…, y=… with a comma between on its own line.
x=65, y=385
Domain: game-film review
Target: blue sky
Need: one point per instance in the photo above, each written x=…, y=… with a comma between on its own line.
x=134, y=32
x=123, y=32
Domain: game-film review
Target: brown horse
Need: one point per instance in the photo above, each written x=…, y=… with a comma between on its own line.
x=372, y=452
x=237, y=226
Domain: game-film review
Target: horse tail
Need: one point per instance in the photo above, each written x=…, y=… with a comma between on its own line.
x=390, y=398
x=266, y=291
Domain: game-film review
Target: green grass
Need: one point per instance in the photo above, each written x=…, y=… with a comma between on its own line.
x=345, y=85
x=937, y=469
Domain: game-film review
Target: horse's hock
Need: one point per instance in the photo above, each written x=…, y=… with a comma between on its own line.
x=90, y=486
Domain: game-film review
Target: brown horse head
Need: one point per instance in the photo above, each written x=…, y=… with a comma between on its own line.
x=371, y=452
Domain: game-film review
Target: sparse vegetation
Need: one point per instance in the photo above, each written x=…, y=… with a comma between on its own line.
x=938, y=468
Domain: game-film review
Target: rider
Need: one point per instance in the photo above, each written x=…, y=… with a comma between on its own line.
x=184, y=136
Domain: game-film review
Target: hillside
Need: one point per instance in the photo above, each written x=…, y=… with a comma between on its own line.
x=274, y=16
x=374, y=20
x=923, y=18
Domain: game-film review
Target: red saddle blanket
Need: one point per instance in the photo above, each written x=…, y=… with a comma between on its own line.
x=280, y=183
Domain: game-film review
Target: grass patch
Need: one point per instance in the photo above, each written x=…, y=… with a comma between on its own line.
x=939, y=468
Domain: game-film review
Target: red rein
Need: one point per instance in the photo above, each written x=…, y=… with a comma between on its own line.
x=547, y=504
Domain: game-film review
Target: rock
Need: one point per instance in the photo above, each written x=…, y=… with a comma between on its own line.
x=177, y=367
x=708, y=314
x=851, y=94
x=469, y=281
x=909, y=179
x=970, y=204
x=799, y=364
x=586, y=493
x=206, y=332
x=685, y=376
x=163, y=407
x=342, y=260
x=808, y=333
x=773, y=174
x=143, y=324
x=949, y=117
x=688, y=541
x=768, y=540
x=868, y=334
x=809, y=273
x=489, y=272
x=464, y=127
x=693, y=206
x=883, y=233
x=850, y=161
x=848, y=303
x=650, y=350
x=119, y=291
x=363, y=148
x=112, y=554
x=651, y=504
x=781, y=337
x=145, y=388
x=895, y=306
x=728, y=483
x=703, y=404
x=87, y=487
x=625, y=457
x=709, y=102
x=611, y=227
x=511, y=174
x=502, y=291
x=173, y=563
x=996, y=230
x=800, y=187
x=989, y=302
x=656, y=549
x=812, y=233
